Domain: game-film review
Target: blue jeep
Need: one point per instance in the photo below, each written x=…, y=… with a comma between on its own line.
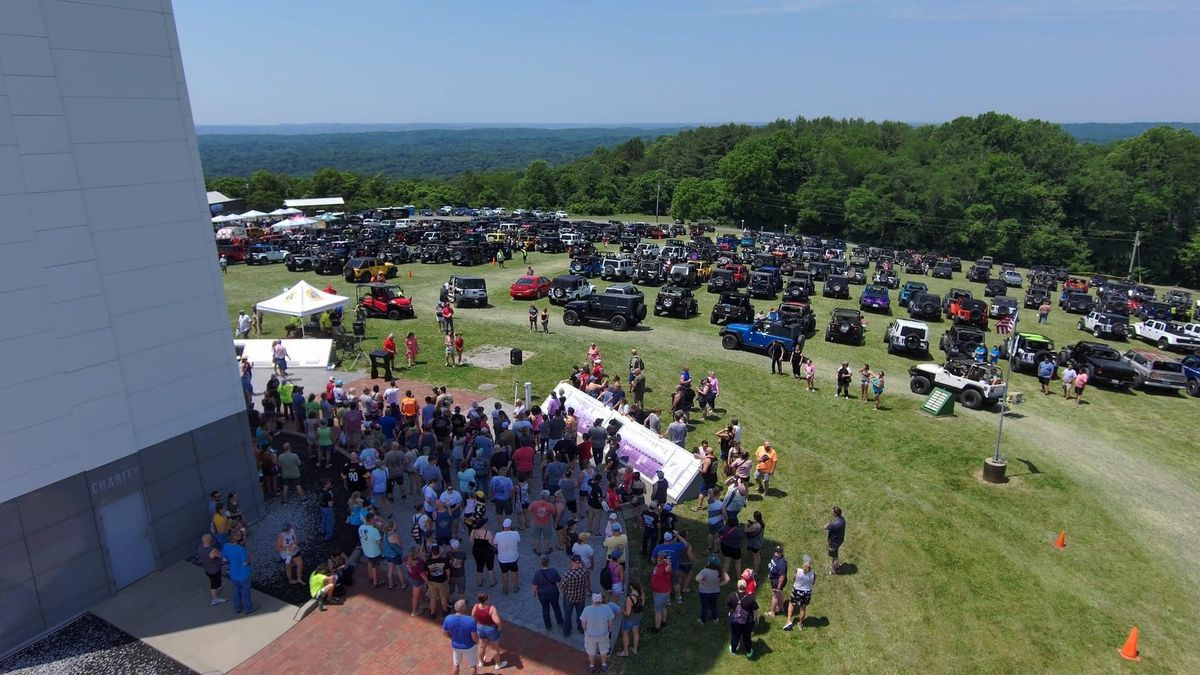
x=1191, y=368
x=875, y=298
x=589, y=266
x=908, y=289
x=759, y=336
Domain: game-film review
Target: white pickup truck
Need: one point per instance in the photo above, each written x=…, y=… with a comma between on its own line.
x=261, y=254
x=1166, y=335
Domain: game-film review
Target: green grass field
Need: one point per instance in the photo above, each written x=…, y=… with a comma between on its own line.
x=949, y=574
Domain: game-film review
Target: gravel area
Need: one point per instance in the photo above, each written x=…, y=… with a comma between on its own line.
x=91, y=645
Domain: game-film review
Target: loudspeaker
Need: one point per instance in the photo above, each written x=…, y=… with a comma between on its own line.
x=515, y=357
x=360, y=328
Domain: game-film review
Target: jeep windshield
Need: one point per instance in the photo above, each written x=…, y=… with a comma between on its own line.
x=734, y=299
x=1104, y=352
x=470, y=283
x=1039, y=344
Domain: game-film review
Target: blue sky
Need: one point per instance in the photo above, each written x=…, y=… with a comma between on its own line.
x=613, y=61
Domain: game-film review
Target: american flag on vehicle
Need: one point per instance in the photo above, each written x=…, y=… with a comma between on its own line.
x=1006, y=324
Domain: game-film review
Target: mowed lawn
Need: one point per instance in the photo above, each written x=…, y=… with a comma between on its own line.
x=948, y=574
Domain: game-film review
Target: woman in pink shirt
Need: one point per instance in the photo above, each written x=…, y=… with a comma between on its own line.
x=1081, y=381
x=410, y=349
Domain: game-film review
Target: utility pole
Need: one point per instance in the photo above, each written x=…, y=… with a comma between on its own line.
x=1137, y=243
x=657, y=190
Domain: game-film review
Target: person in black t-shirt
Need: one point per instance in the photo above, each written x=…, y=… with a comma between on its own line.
x=836, y=529
x=650, y=521
x=743, y=610
x=325, y=501
x=437, y=571
x=354, y=476
x=667, y=519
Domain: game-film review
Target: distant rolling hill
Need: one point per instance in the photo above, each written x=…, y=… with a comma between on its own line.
x=410, y=153
x=1100, y=132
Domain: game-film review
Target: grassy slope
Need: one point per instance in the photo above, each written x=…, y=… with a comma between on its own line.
x=952, y=575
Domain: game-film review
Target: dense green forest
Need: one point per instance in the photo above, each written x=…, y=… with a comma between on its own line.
x=414, y=153
x=1020, y=190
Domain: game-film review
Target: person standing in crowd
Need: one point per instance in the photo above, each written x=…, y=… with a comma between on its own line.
x=370, y=540
x=797, y=359
x=414, y=572
x=810, y=374
x=708, y=584
x=279, y=356
x=1045, y=373
x=677, y=431
x=533, y=317
x=210, y=562
x=287, y=545
x=1068, y=379
x=289, y=471
x=631, y=621
x=464, y=636
x=836, y=529
x=242, y=326
x=776, y=353
x=777, y=577
x=574, y=587
x=238, y=559
x=843, y=380
x=877, y=387
x=802, y=590
x=507, y=554
x=743, y=610
x=1044, y=312
x=732, y=537
x=545, y=590
x=489, y=625
x=458, y=349
x=755, y=533
x=1081, y=380
x=864, y=382
x=411, y=349
x=545, y=320
x=660, y=588
x=767, y=459
x=389, y=351
x=596, y=624
x=542, y=514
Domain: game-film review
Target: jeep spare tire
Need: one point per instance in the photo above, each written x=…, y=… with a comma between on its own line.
x=641, y=312
x=912, y=341
x=920, y=385
x=928, y=308
x=843, y=328
x=571, y=317
x=729, y=341
x=619, y=322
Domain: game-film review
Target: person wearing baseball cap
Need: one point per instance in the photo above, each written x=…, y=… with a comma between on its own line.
x=508, y=544
x=596, y=624
x=575, y=586
x=777, y=575
x=843, y=380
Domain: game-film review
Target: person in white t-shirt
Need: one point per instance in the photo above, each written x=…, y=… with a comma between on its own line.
x=372, y=549
x=508, y=544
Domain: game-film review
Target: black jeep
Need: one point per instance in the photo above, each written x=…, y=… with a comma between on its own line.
x=1081, y=303
x=763, y=284
x=799, y=314
x=434, y=254
x=648, y=272
x=621, y=311
x=925, y=306
x=836, y=286
x=845, y=325
x=887, y=277
x=732, y=308
x=676, y=301
x=961, y=341
x=995, y=287
x=463, y=253
x=797, y=290
x=1035, y=296
x=721, y=281
x=979, y=274
x=549, y=244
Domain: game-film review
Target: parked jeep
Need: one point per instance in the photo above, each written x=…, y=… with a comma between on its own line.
x=682, y=274
x=875, y=299
x=759, y=336
x=977, y=385
x=616, y=269
x=433, y=254
x=836, y=286
x=970, y=312
x=952, y=295
x=1035, y=296
x=1105, y=325
x=1191, y=370
x=1001, y=307
x=994, y=287
x=549, y=244
x=570, y=287
x=886, y=277
x=907, y=289
x=797, y=290
x=1025, y=351
x=796, y=313
x=463, y=253
x=648, y=272
x=763, y=284
x=1155, y=310
x=1012, y=278
x=903, y=335
x=676, y=301
x=961, y=341
x=468, y=291
x=303, y=262
x=845, y=325
x=942, y=270
x=588, y=266
x=721, y=281
x=619, y=310
x=732, y=307
x=925, y=306
x=1101, y=362
x=366, y=269
x=979, y=274
x=1078, y=303
x=261, y=254
x=857, y=275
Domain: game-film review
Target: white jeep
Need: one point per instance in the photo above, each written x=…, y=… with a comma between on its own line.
x=903, y=335
x=977, y=384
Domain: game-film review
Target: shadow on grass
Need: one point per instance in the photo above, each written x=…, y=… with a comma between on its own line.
x=1031, y=469
x=816, y=621
x=847, y=569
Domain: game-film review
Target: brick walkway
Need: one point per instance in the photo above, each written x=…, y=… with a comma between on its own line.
x=373, y=633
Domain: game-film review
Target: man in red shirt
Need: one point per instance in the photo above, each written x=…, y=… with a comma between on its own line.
x=542, y=512
x=585, y=452
x=448, y=317
x=389, y=349
x=522, y=458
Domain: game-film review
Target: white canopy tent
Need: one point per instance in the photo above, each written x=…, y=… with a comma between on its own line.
x=292, y=223
x=252, y=214
x=285, y=212
x=302, y=300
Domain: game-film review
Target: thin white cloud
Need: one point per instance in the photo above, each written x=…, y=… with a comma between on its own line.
x=954, y=10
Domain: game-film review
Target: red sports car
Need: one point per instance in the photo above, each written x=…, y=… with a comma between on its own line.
x=530, y=288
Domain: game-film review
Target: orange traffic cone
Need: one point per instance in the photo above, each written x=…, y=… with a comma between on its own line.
x=1061, y=542
x=410, y=274
x=1130, y=651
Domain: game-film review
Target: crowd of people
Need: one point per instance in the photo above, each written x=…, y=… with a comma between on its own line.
x=437, y=488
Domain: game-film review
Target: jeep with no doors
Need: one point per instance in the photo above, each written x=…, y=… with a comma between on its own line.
x=732, y=307
x=977, y=385
x=961, y=341
x=1025, y=351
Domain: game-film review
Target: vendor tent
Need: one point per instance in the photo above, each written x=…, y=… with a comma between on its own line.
x=251, y=214
x=292, y=223
x=302, y=300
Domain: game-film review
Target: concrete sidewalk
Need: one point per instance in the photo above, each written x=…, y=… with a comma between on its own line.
x=170, y=611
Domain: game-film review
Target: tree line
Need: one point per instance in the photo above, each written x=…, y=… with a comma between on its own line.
x=1020, y=190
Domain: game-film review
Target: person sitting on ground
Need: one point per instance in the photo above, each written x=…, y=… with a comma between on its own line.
x=321, y=586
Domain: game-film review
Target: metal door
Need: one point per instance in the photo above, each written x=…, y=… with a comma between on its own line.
x=125, y=534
